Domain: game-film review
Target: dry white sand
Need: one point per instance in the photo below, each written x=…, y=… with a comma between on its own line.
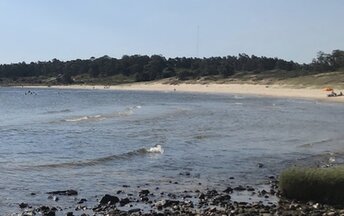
x=247, y=89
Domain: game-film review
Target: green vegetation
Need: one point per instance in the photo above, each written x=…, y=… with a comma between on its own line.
x=324, y=185
x=107, y=70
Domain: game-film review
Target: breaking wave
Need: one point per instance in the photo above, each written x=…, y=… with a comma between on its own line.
x=86, y=118
x=157, y=149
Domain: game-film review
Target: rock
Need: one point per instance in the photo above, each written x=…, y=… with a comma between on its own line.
x=125, y=186
x=50, y=213
x=144, y=193
x=124, y=201
x=201, y=196
x=211, y=193
x=55, y=198
x=228, y=190
x=222, y=199
x=186, y=173
x=46, y=211
x=240, y=188
x=69, y=214
x=167, y=203
x=32, y=194
x=109, y=200
x=23, y=205
x=64, y=193
x=171, y=195
x=249, y=188
x=260, y=165
x=82, y=201
x=134, y=210
x=144, y=199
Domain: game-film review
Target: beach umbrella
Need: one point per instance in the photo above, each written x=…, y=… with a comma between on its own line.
x=328, y=89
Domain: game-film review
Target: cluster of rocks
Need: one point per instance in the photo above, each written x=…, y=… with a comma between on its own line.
x=207, y=202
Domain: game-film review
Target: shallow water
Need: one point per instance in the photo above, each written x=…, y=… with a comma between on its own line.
x=96, y=141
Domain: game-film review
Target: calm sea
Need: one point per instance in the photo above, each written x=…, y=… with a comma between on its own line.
x=95, y=141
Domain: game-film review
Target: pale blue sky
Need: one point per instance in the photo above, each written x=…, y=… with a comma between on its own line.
x=70, y=29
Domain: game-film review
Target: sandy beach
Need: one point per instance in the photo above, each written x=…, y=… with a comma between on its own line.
x=312, y=93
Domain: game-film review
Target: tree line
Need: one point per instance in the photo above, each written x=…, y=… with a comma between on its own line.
x=147, y=68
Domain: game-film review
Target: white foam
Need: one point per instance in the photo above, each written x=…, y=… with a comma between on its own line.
x=84, y=118
x=156, y=149
x=332, y=160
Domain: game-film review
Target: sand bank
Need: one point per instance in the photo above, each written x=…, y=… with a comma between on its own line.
x=247, y=89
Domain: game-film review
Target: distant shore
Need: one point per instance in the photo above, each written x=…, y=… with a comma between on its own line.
x=312, y=93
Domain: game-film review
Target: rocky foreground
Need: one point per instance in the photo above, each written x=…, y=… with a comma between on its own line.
x=208, y=202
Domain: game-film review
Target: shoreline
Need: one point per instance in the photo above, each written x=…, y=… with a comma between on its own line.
x=278, y=91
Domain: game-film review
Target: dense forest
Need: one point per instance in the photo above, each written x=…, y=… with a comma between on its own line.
x=146, y=68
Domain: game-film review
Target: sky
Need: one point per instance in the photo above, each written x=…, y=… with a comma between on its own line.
x=41, y=30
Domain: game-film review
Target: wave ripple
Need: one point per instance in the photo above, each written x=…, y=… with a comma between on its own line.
x=157, y=149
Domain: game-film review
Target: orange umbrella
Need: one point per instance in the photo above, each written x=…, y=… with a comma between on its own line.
x=328, y=89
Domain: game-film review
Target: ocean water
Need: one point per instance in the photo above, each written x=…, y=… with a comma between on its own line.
x=96, y=141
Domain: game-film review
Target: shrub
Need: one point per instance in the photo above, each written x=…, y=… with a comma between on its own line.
x=313, y=184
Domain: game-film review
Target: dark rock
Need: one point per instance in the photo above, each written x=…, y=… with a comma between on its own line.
x=144, y=193
x=211, y=193
x=119, y=192
x=125, y=186
x=185, y=173
x=249, y=188
x=201, y=196
x=170, y=203
x=32, y=194
x=109, y=200
x=69, y=214
x=82, y=201
x=50, y=213
x=223, y=199
x=240, y=188
x=43, y=208
x=23, y=205
x=124, y=201
x=134, y=210
x=260, y=165
x=46, y=211
x=64, y=193
x=228, y=190
x=231, y=177
x=144, y=199
x=171, y=195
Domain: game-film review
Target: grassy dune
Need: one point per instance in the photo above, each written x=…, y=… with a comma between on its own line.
x=313, y=184
x=290, y=79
